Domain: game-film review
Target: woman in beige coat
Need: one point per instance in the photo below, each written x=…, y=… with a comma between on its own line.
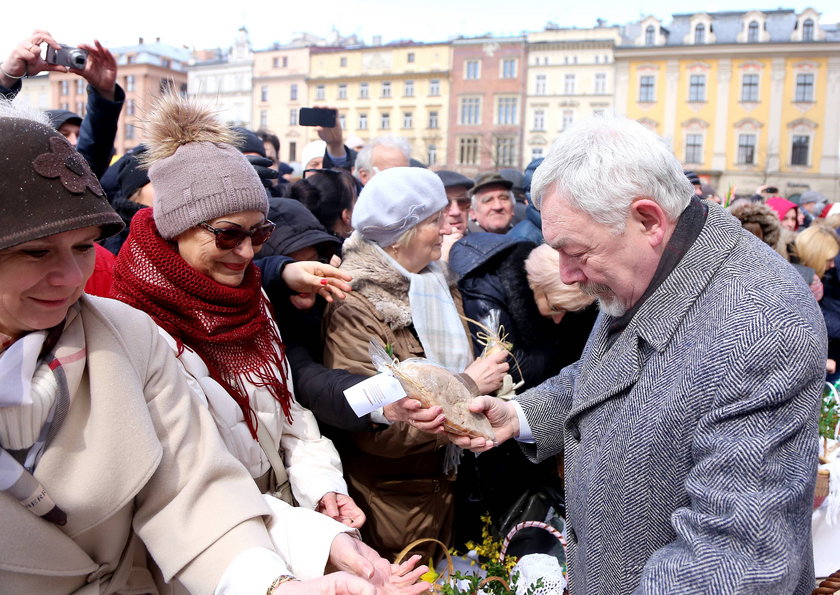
x=106, y=460
x=401, y=297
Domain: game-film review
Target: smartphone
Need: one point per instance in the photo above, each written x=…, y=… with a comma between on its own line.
x=317, y=116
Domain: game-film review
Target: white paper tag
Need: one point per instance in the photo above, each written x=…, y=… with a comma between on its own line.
x=373, y=393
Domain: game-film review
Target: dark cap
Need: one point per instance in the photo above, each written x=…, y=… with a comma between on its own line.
x=62, y=116
x=452, y=179
x=516, y=177
x=250, y=142
x=46, y=186
x=809, y=196
x=490, y=178
x=297, y=228
x=692, y=177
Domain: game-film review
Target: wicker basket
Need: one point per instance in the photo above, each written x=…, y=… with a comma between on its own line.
x=536, y=524
x=821, y=491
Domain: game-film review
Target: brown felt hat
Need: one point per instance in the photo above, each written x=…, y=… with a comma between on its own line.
x=490, y=178
x=46, y=186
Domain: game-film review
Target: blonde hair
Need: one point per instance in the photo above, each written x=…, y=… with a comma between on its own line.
x=543, y=269
x=815, y=246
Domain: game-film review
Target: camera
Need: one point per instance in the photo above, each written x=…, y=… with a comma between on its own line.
x=67, y=56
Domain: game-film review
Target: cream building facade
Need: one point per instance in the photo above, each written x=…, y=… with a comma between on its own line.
x=571, y=75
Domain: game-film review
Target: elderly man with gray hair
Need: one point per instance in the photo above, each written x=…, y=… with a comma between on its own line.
x=382, y=153
x=689, y=425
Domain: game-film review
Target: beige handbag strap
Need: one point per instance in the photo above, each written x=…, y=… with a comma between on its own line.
x=267, y=444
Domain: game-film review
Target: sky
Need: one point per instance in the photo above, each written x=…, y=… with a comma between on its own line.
x=213, y=23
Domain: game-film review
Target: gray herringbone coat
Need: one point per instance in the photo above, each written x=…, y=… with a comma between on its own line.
x=691, y=444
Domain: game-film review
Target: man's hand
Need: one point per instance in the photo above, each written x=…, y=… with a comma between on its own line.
x=356, y=557
x=332, y=136
x=502, y=417
x=489, y=372
x=309, y=276
x=100, y=70
x=25, y=59
x=342, y=508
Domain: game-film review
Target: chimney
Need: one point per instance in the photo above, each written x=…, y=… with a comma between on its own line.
x=140, y=41
x=157, y=39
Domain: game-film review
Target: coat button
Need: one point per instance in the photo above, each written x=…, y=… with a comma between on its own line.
x=575, y=433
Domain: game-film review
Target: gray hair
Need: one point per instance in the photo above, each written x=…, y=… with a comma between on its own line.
x=23, y=111
x=600, y=165
x=364, y=158
x=543, y=270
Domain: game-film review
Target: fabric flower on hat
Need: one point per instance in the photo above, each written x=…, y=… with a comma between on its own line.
x=65, y=163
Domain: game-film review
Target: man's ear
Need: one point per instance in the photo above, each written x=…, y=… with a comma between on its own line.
x=346, y=216
x=651, y=219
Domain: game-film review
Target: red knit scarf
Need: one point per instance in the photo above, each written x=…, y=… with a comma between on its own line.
x=229, y=327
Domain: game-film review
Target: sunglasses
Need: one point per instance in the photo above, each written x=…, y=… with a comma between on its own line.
x=230, y=237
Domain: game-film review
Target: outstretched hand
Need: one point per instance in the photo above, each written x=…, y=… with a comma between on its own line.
x=502, y=417
x=100, y=69
x=309, y=276
x=26, y=60
x=341, y=508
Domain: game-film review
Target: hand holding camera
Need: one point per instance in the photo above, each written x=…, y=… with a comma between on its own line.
x=25, y=59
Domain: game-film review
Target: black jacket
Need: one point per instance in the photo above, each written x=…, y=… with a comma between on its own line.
x=491, y=272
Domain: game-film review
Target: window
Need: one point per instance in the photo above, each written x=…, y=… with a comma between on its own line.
x=364, y=91
x=746, y=149
x=408, y=120
x=408, y=90
x=749, y=88
x=600, y=83
x=320, y=92
x=165, y=86
x=808, y=30
x=471, y=110
x=285, y=64
x=129, y=131
x=694, y=148
x=293, y=117
x=799, y=150
x=65, y=87
x=431, y=155
x=129, y=107
x=385, y=120
x=598, y=113
x=433, y=119
x=752, y=32
x=80, y=108
x=275, y=62
x=80, y=86
x=263, y=118
x=293, y=92
x=410, y=57
x=539, y=119
x=468, y=150
x=473, y=70
x=536, y=153
x=597, y=59
x=507, y=111
x=647, y=89
x=434, y=87
x=700, y=33
x=342, y=91
x=569, y=84
x=568, y=118
x=650, y=35
x=386, y=89
x=166, y=63
x=804, y=88
x=292, y=151
x=183, y=90
x=506, y=151
x=363, y=122
x=129, y=82
x=540, y=87
x=342, y=62
x=697, y=87
x=264, y=93
x=509, y=69
x=342, y=119
x=65, y=105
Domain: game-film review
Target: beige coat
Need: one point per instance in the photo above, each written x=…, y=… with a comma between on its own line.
x=134, y=463
x=395, y=474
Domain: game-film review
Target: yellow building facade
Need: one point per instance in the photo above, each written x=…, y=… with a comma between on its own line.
x=755, y=104
x=398, y=90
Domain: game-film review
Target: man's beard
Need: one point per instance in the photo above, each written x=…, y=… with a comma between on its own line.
x=608, y=302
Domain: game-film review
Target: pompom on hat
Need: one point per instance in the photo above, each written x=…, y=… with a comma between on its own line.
x=394, y=201
x=46, y=186
x=196, y=170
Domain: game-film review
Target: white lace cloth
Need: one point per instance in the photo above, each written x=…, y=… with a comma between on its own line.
x=533, y=567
